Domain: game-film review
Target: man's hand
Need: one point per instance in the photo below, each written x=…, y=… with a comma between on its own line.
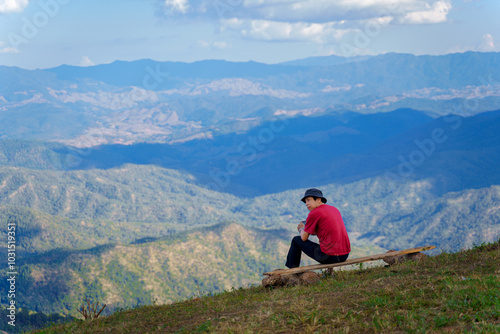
x=303, y=234
x=301, y=225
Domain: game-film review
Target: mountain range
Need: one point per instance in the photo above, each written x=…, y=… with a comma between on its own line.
x=457, y=153
x=164, y=102
x=142, y=181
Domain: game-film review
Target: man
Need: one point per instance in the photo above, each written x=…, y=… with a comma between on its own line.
x=326, y=222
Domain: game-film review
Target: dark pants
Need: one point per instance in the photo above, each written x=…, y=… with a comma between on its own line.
x=312, y=250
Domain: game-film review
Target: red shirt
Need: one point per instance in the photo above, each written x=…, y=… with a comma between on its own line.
x=326, y=222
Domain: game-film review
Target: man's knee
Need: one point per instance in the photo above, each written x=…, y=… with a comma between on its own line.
x=296, y=240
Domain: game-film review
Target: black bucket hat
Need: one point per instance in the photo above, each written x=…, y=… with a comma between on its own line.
x=313, y=192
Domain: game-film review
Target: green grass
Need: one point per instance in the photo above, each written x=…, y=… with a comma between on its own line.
x=451, y=292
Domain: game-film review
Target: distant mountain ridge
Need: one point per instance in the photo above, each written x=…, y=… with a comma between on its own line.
x=454, y=68
x=163, y=102
x=457, y=153
x=124, y=73
x=324, y=60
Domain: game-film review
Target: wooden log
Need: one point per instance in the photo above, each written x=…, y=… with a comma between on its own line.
x=309, y=277
x=348, y=262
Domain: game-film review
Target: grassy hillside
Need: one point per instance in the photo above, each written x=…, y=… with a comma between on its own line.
x=129, y=193
x=170, y=269
x=136, y=193
x=32, y=154
x=452, y=292
x=83, y=209
x=146, y=201
x=39, y=232
x=454, y=221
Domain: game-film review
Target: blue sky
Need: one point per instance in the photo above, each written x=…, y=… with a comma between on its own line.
x=48, y=33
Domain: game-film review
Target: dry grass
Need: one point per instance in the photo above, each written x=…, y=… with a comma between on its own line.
x=457, y=292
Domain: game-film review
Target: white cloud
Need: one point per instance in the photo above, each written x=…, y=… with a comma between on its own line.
x=296, y=31
x=179, y=6
x=86, y=62
x=436, y=13
x=318, y=21
x=313, y=11
x=7, y=49
x=13, y=6
x=322, y=11
x=220, y=45
x=213, y=44
x=488, y=43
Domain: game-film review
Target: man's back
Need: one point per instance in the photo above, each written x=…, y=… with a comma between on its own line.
x=326, y=222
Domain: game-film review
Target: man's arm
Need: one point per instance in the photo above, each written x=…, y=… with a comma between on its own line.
x=303, y=235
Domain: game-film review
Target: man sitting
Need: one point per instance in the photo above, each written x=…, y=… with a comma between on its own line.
x=326, y=222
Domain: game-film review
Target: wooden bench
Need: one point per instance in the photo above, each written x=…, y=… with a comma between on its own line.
x=348, y=262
